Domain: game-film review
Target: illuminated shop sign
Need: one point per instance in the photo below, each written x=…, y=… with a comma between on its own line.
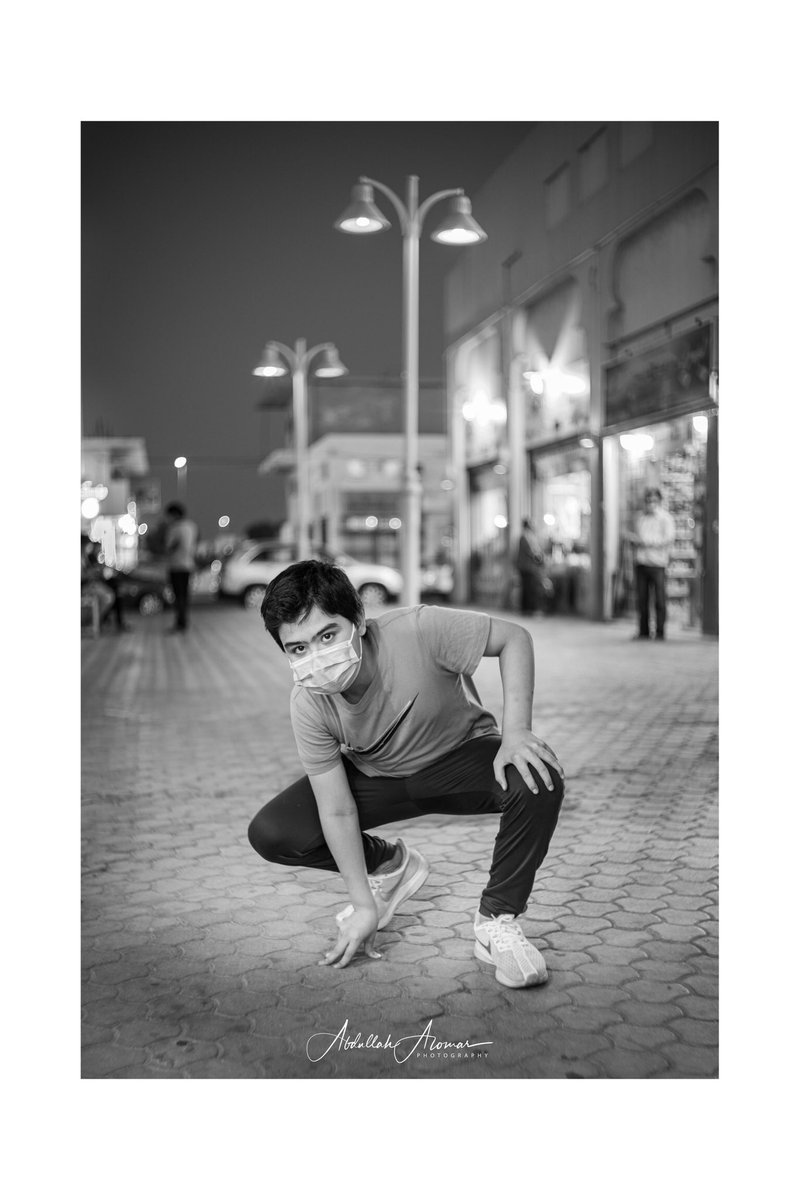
x=669, y=376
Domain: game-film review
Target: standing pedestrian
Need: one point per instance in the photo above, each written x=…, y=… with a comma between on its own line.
x=652, y=540
x=530, y=565
x=103, y=582
x=181, y=548
x=389, y=726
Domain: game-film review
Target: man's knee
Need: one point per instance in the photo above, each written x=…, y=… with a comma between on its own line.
x=267, y=838
x=544, y=800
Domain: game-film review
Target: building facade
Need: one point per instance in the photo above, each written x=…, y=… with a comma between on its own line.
x=582, y=364
x=356, y=463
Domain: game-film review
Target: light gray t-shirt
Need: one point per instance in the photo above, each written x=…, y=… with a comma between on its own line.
x=420, y=705
x=181, y=544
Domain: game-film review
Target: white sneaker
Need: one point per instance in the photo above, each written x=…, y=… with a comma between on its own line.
x=391, y=888
x=501, y=942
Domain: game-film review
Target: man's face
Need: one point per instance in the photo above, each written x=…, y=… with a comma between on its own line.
x=650, y=501
x=317, y=631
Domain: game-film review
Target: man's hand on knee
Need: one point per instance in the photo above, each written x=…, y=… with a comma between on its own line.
x=521, y=748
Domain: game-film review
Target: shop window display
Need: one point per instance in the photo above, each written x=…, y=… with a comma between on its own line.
x=670, y=456
x=490, y=563
x=561, y=510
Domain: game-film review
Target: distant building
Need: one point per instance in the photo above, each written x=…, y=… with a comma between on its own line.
x=357, y=463
x=116, y=495
x=582, y=363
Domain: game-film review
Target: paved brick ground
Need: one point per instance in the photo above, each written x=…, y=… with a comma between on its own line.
x=200, y=960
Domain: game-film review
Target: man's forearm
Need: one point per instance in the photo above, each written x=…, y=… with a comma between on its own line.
x=343, y=836
x=517, y=669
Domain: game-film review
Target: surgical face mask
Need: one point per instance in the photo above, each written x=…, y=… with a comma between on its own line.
x=329, y=670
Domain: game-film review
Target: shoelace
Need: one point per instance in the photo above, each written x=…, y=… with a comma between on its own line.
x=505, y=932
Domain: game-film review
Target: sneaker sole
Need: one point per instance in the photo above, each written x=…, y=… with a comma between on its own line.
x=485, y=956
x=407, y=889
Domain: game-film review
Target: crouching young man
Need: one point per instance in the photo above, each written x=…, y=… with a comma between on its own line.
x=389, y=726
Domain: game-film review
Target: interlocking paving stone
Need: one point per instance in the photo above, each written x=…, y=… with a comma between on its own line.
x=696, y=1033
x=208, y=956
x=692, y=1061
x=630, y=1064
x=102, y=1058
x=659, y=992
x=179, y=1053
x=587, y=1018
x=572, y=1044
x=648, y=1012
x=645, y=1037
x=704, y=1008
x=703, y=985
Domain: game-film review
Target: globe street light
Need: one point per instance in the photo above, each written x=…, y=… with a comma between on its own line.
x=273, y=363
x=458, y=228
x=181, y=464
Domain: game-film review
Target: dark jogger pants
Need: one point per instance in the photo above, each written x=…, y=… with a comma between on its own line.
x=180, y=586
x=651, y=579
x=287, y=829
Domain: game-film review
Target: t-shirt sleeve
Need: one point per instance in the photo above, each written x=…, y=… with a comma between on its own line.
x=455, y=638
x=318, y=748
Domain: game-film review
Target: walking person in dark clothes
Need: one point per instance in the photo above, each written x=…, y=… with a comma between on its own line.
x=530, y=565
x=389, y=726
x=181, y=546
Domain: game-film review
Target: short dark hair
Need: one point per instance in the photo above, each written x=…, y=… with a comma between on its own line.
x=175, y=510
x=293, y=593
x=653, y=491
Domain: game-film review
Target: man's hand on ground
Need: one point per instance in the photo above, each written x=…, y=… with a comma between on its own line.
x=359, y=927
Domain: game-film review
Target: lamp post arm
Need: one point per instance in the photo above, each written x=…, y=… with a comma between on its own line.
x=427, y=204
x=402, y=211
x=289, y=354
x=306, y=358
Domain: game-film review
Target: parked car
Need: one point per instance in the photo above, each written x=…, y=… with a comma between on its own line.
x=145, y=588
x=437, y=582
x=247, y=571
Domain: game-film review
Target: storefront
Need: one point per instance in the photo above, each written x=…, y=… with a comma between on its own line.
x=560, y=450
x=671, y=456
x=490, y=566
x=675, y=450
x=481, y=416
x=560, y=486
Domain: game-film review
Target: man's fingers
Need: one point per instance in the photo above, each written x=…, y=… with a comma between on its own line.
x=548, y=754
x=349, y=953
x=336, y=951
x=346, y=948
x=520, y=762
x=546, y=778
x=499, y=775
x=369, y=947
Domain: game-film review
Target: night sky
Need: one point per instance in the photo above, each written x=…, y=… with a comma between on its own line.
x=202, y=241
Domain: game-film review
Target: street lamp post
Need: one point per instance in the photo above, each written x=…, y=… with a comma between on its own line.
x=273, y=363
x=458, y=228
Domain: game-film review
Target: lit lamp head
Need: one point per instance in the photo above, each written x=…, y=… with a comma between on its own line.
x=459, y=227
x=330, y=365
x=271, y=363
x=362, y=214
